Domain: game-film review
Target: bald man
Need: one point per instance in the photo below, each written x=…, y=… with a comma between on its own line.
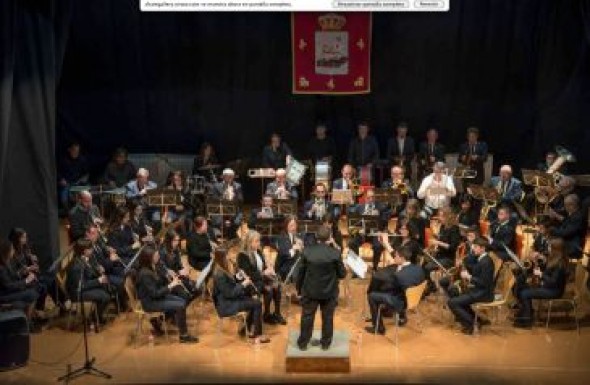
x=82, y=215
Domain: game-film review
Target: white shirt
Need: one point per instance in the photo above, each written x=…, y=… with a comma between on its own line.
x=259, y=263
x=437, y=201
x=400, y=267
x=400, y=145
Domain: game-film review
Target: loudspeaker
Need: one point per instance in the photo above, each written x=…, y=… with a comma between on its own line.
x=14, y=340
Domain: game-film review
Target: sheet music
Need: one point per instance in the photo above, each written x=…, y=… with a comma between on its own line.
x=356, y=264
x=204, y=273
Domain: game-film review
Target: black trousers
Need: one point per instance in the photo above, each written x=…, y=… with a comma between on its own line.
x=271, y=294
x=99, y=296
x=254, y=320
x=20, y=299
x=170, y=304
x=309, y=308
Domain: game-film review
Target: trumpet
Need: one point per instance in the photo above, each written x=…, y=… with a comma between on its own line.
x=401, y=186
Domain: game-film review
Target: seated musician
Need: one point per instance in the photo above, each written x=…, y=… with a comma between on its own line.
x=137, y=189
x=541, y=238
x=87, y=281
x=72, y=170
x=391, y=289
x=473, y=154
x=275, y=154
x=156, y=294
x=363, y=150
x=571, y=227
x=82, y=215
x=430, y=152
x=317, y=207
x=509, y=188
x=120, y=170
x=205, y=158
x=263, y=276
x=465, y=259
x=199, y=244
x=266, y=210
x=565, y=187
x=321, y=148
x=443, y=246
x=401, y=148
x=170, y=266
x=176, y=182
x=408, y=239
x=550, y=158
x=480, y=287
x=468, y=214
x=229, y=190
x=111, y=264
x=346, y=181
x=411, y=214
x=280, y=188
x=15, y=290
x=232, y=296
x=290, y=245
x=398, y=181
x=502, y=232
x=139, y=223
x=121, y=236
x=436, y=190
x=552, y=277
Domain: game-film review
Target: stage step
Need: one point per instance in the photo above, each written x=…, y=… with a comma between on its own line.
x=314, y=359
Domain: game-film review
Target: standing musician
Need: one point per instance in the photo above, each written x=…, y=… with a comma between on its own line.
x=87, y=281
x=206, y=157
x=401, y=148
x=72, y=171
x=172, y=265
x=391, y=292
x=263, y=276
x=318, y=206
x=275, y=154
x=480, y=287
x=552, y=277
x=231, y=296
x=572, y=226
x=290, y=246
x=444, y=246
x=199, y=244
x=430, y=152
x=509, y=188
x=121, y=236
x=321, y=148
x=137, y=190
x=473, y=154
x=156, y=294
x=231, y=191
x=502, y=232
x=398, y=181
x=321, y=270
x=364, y=149
x=83, y=214
x=120, y=170
x=280, y=188
x=436, y=190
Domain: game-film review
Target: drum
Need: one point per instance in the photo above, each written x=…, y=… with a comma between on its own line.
x=323, y=173
x=295, y=171
x=196, y=184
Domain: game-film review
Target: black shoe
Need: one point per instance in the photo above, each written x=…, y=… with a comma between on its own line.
x=368, y=319
x=302, y=347
x=269, y=319
x=188, y=339
x=325, y=346
x=279, y=319
x=468, y=330
x=157, y=330
x=371, y=329
x=242, y=331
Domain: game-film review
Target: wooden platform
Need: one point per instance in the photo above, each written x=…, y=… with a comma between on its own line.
x=314, y=359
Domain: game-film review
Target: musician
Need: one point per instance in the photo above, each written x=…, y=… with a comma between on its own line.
x=550, y=158
x=430, y=152
x=170, y=265
x=266, y=210
x=502, y=232
x=444, y=246
x=87, y=281
x=345, y=182
x=83, y=214
x=465, y=259
x=199, y=244
x=231, y=191
x=480, y=287
x=391, y=293
x=411, y=214
x=280, y=188
x=318, y=207
x=473, y=154
x=509, y=188
x=364, y=149
x=175, y=182
x=72, y=170
x=231, y=296
x=139, y=223
x=263, y=276
x=398, y=181
x=572, y=227
x=468, y=215
x=321, y=148
x=553, y=278
x=156, y=295
x=541, y=238
x=371, y=207
x=138, y=188
x=120, y=170
x=15, y=290
x=205, y=158
x=121, y=237
x=321, y=270
x=436, y=190
x=275, y=154
x=565, y=187
x=290, y=245
x=401, y=148
x=408, y=239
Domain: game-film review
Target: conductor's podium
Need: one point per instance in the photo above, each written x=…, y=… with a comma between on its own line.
x=314, y=359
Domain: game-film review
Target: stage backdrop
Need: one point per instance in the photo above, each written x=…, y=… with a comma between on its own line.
x=331, y=53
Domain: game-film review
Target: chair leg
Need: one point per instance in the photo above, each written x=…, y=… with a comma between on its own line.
x=166, y=332
x=475, y=325
x=548, y=314
x=378, y=319
x=575, y=306
x=396, y=328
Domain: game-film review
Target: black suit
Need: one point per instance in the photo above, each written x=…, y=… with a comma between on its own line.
x=80, y=218
x=426, y=151
x=321, y=270
x=408, y=152
x=481, y=150
x=502, y=233
x=481, y=290
x=199, y=249
x=285, y=260
x=92, y=289
x=573, y=231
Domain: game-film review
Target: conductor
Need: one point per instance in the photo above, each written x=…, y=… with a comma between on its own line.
x=321, y=269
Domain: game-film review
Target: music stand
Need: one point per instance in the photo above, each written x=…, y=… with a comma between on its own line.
x=488, y=195
x=162, y=198
x=390, y=196
x=342, y=197
x=221, y=208
x=286, y=207
x=269, y=227
x=368, y=223
x=309, y=226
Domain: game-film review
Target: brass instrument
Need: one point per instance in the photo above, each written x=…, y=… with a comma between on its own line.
x=401, y=186
x=563, y=156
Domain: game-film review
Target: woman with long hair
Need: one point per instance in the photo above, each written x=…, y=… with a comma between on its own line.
x=121, y=236
x=232, y=295
x=251, y=262
x=412, y=215
x=171, y=265
x=408, y=239
x=156, y=295
x=552, y=278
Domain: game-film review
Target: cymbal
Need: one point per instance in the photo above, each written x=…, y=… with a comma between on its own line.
x=209, y=167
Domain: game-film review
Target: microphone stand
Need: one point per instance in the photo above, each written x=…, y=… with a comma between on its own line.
x=88, y=367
